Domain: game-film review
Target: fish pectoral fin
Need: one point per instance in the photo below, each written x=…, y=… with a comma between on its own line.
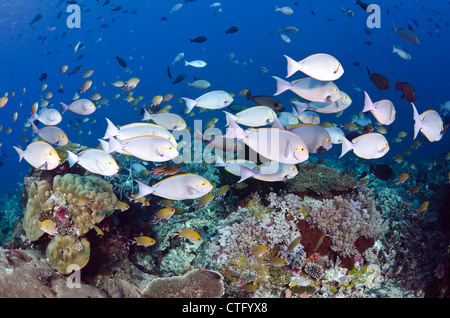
x=192, y=190
x=289, y=151
x=100, y=165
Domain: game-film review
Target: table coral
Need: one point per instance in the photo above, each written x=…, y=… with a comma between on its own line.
x=194, y=284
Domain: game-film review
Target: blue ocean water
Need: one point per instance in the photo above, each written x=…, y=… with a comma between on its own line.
x=148, y=38
x=136, y=30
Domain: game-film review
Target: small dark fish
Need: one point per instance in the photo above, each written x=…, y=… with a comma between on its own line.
x=408, y=91
x=407, y=35
x=415, y=22
x=168, y=72
x=331, y=19
x=43, y=76
x=59, y=14
x=198, y=39
x=367, y=31
x=121, y=62
x=362, y=5
x=164, y=19
x=179, y=79
x=233, y=29
x=270, y=101
x=382, y=172
x=76, y=69
x=117, y=8
x=379, y=80
x=106, y=2
x=37, y=18
x=312, y=12
x=410, y=27
x=356, y=63
x=369, y=43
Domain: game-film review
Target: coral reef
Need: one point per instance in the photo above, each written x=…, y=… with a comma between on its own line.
x=75, y=203
x=320, y=180
x=194, y=284
x=68, y=253
x=344, y=219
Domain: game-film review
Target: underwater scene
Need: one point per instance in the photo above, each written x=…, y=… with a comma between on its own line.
x=224, y=149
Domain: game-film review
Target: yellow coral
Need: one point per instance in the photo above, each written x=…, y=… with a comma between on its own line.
x=37, y=196
x=62, y=203
x=68, y=253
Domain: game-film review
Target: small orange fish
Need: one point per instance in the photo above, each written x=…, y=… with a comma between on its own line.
x=414, y=190
x=423, y=208
x=144, y=241
x=188, y=234
x=402, y=178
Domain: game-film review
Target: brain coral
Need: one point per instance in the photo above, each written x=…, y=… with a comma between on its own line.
x=68, y=253
x=75, y=203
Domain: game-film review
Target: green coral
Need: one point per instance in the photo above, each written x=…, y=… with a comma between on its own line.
x=320, y=180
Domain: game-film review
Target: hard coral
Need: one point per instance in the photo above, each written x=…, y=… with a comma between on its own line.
x=194, y=284
x=68, y=253
x=61, y=204
x=345, y=219
x=320, y=180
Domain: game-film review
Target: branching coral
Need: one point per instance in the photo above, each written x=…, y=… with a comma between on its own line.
x=346, y=218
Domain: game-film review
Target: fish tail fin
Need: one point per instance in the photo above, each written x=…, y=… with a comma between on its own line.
x=394, y=48
x=417, y=121
x=198, y=135
x=113, y=145
x=277, y=9
x=248, y=95
x=144, y=190
x=104, y=144
x=147, y=116
x=347, y=145
x=190, y=103
x=368, y=104
x=394, y=28
x=299, y=107
x=34, y=128
x=282, y=85
x=234, y=131
x=64, y=108
x=186, y=63
x=72, y=158
x=246, y=173
x=20, y=152
x=111, y=130
x=277, y=124
x=219, y=163
x=229, y=115
x=292, y=66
